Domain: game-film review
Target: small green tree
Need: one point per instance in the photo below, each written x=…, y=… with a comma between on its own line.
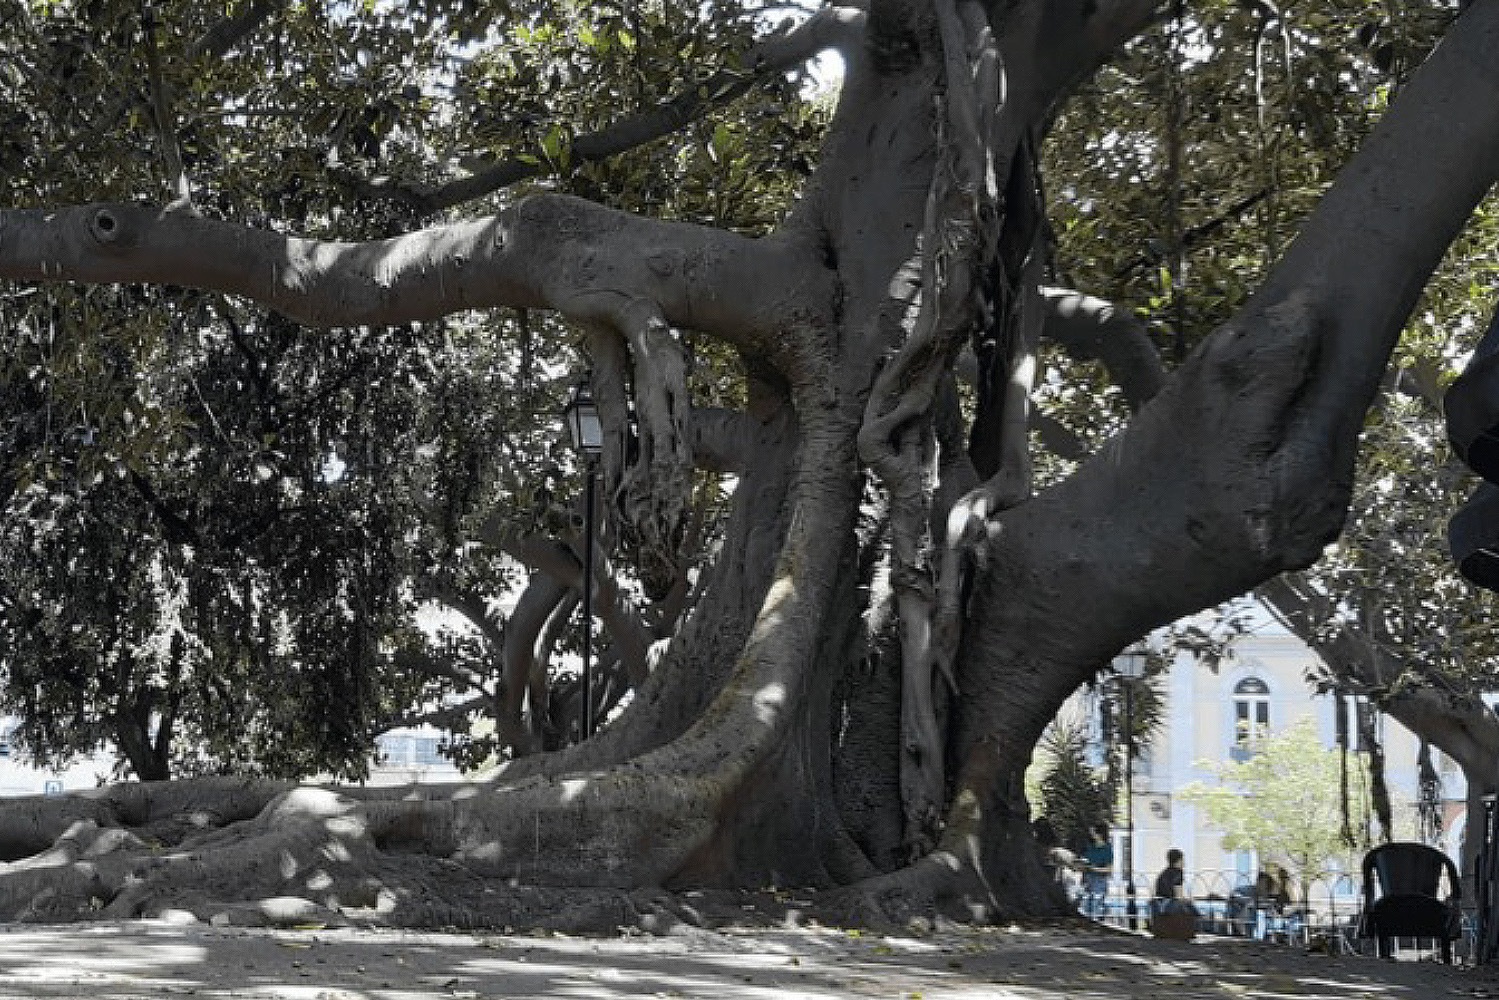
x=1065, y=786
x=1071, y=793
x=1282, y=802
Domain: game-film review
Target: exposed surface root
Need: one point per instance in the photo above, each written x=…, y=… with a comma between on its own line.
x=431, y=857
x=939, y=887
x=316, y=857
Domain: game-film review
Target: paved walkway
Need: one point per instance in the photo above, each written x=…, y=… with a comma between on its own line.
x=141, y=960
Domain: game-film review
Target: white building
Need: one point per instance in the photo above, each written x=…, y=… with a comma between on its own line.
x=1210, y=716
x=411, y=757
x=19, y=777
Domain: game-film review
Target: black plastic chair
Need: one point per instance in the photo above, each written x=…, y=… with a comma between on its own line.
x=1472, y=405
x=1409, y=877
x=1473, y=535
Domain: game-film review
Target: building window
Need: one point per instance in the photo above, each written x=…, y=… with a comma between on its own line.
x=411, y=751
x=427, y=753
x=395, y=751
x=1251, y=715
x=1355, y=719
x=1244, y=868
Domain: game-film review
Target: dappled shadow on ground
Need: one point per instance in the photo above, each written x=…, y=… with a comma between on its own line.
x=141, y=960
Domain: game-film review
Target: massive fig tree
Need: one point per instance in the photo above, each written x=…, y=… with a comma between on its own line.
x=894, y=610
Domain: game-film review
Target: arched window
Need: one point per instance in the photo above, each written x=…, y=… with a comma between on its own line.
x=1251, y=712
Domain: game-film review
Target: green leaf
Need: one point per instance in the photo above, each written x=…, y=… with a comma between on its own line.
x=722, y=139
x=557, y=145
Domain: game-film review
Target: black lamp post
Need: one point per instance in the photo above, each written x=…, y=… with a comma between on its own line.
x=1130, y=667
x=582, y=418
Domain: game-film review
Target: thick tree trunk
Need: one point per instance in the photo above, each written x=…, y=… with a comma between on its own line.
x=1239, y=468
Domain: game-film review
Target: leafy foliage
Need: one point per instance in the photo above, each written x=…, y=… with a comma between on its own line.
x=1285, y=802
x=1074, y=785
x=252, y=518
x=1073, y=795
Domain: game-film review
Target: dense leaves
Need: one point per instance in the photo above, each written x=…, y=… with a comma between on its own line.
x=228, y=544
x=1286, y=803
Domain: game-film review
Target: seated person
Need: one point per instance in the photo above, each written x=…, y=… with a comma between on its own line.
x=1168, y=884
x=1272, y=889
x=1171, y=912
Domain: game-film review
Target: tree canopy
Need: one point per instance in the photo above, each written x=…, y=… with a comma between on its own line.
x=188, y=443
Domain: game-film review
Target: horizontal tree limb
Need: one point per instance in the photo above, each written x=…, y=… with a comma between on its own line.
x=552, y=251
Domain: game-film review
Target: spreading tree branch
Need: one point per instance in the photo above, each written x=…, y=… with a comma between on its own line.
x=161, y=109
x=226, y=33
x=1091, y=329
x=626, y=625
x=591, y=263
x=830, y=27
x=522, y=656
x=538, y=684
x=1241, y=466
x=1458, y=723
x=470, y=605
x=454, y=717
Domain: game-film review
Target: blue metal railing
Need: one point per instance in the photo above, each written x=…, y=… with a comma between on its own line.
x=1227, y=905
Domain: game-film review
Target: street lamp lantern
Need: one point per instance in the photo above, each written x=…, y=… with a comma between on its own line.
x=582, y=419
x=1129, y=667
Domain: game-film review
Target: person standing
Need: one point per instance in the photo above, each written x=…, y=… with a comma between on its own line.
x=1098, y=867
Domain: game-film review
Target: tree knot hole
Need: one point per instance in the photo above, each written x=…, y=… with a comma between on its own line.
x=105, y=227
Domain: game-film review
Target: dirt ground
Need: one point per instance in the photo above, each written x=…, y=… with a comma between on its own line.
x=144, y=959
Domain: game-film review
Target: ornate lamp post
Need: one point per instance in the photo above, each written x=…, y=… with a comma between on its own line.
x=1129, y=667
x=582, y=418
